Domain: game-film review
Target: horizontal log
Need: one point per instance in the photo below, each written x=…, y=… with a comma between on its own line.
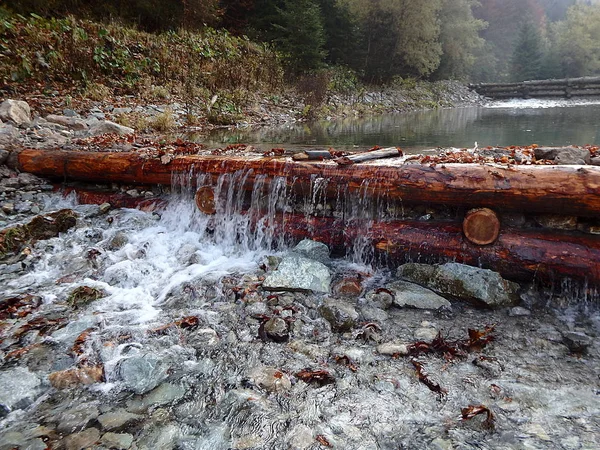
x=369, y=156
x=520, y=255
x=572, y=190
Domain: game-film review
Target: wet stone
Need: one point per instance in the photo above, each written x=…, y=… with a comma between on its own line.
x=118, y=418
x=271, y=379
x=82, y=440
x=117, y=440
x=141, y=374
x=18, y=388
x=314, y=250
x=380, y=298
x=463, y=282
x=340, y=314
x=76, y=418
x=348, y=287
x=276, y=329
x=296, y=273
x=577, y=342
x=412, y=295
x=557, y=221
x=392, y=348
x=519, y=311
x=425, y=333
x=164, y=394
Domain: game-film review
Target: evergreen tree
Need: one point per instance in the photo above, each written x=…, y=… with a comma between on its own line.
x=578, y=41
x=526, y=62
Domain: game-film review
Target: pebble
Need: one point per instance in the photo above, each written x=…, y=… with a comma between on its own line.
x=271, y=379
x=427, y=334
x=392, y=348
x=519, y=311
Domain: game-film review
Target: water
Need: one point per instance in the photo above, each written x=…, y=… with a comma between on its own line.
x=218, y=386
x=515, y=122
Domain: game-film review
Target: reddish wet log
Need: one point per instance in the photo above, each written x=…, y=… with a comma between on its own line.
x=481, y=226
x=116, y=199
x=205, y=200
x=522, y=255
x=573, y=190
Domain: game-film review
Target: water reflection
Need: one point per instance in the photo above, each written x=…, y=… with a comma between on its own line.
x=459, y=127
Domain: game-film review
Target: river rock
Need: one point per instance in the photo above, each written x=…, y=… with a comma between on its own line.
x=8, y=134
x=72, y=123
x=16, y=111
x=300, y=437
x=143, y=373
x=463, y=282
x=117, y=440
x=114, y=420
x=556, y=221
x=82, y=440
x=347, y=287
x=380, y=298
x=18, y=388
x=519, y=311
x=577, y=342
x=297, y=273
x=276, y=329
x=108, y=127
x=271, y=379
x=76, y=418
x=3, y=155
x=415, y=296
x=162, y=395
x=392, y=348
x=595, y=161
x=313, y=250
x=564, y=155
x=340, y=314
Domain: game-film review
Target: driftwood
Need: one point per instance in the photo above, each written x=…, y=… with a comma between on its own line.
x=570, y=190
x=369, y=156
x=312, y=155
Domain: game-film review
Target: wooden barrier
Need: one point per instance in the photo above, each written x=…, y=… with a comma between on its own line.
x=565, y=88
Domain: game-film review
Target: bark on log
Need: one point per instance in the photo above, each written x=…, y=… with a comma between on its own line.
x=520, y=255
x=572, y=190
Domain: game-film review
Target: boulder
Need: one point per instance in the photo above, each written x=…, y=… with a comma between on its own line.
x=463, y=282
x=313, y=250
x=297, y=273
x=72, y=123
x=341, y=315
x=16, y=111
x=415, y=296
x=108, y=127
x=564, y=155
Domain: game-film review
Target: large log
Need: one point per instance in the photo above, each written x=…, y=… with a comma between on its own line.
x=521, y=255
x=570, y=190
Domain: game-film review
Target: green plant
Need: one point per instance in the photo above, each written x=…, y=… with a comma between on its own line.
x=164, y=121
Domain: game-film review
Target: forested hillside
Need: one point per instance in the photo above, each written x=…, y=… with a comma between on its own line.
x=377, y=41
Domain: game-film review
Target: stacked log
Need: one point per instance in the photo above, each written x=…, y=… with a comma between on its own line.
x=565, y=88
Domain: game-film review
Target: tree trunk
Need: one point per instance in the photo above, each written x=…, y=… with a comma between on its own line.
x=572, y=190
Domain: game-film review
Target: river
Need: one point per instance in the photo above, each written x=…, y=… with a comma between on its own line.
x=513, y=122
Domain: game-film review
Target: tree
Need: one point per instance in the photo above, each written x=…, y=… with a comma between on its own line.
x=399, y=37
x=460, y=38
x=578, y=41
x=526, y=61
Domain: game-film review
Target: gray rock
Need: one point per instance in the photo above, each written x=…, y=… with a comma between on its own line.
x=18, y=388
x=595, y=161
x=162, y=395
x=163, y=437
x=373, y=314
x=427, y=334
x=104, y=208
x=87, y=211
x=277, y=329
x=26, y=179
x=556, y=221
x=70, y=113
x=380, y=299
x=300, y=437
x=518, y=311
x=141, y=374
x=74, y=328
x=3, y=155
x=77, y=418
x=341, y=315
x=72, y=123
x=82, y=440
x=16, y=111
x=23, y=207
x=313, y=250
x=577, y=342
x=463, y=282
x=8, y=208
x=271, y=379
x=117, y=440
x=392, y=348
x=114, y=420
x=415, y=296
x=564, y=155
x=118, y=111
x=108, y=127
x=8, y=134
x=296, y=273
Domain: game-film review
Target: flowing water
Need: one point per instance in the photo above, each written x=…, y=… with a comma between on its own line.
x=514, y=122
x=220, y=386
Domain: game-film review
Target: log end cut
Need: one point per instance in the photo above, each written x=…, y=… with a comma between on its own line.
x=205, y=200
x=481, y=226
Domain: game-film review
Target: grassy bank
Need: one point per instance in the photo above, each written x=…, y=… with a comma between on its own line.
x=218, y=77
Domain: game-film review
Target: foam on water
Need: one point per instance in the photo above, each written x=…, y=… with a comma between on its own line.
x=537, y=103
